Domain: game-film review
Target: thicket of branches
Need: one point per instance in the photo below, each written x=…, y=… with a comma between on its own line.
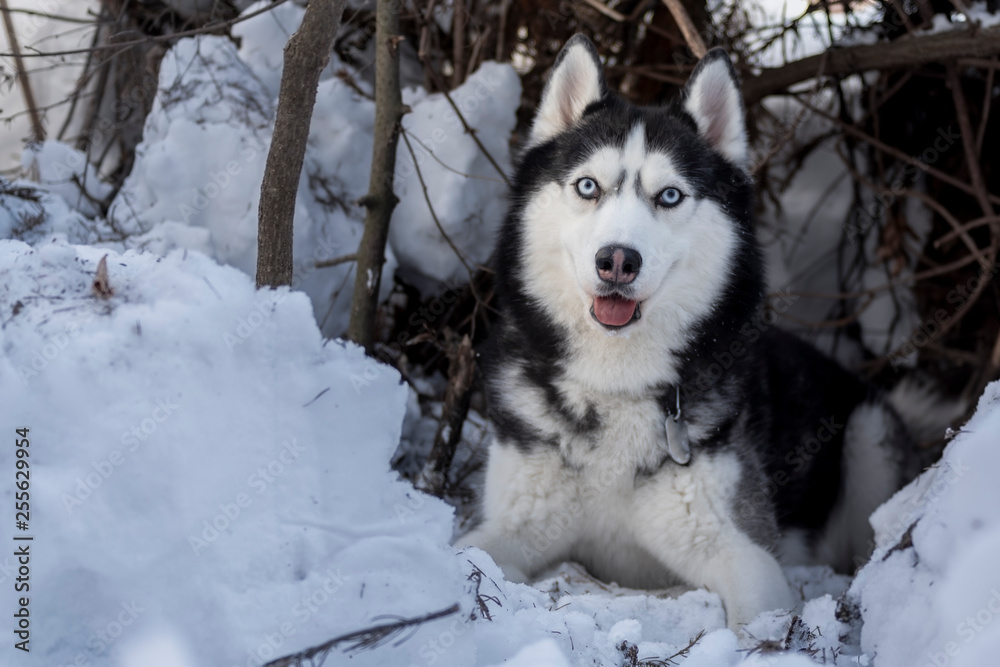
x=882, y=125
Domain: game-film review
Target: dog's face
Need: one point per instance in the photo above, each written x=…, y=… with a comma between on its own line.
x=631, y=216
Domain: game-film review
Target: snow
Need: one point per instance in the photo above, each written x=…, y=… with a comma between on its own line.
x=64, y=171
x=947, y=578
x=49, y=84
x=468, y=194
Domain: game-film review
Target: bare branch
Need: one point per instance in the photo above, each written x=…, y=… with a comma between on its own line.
x=212, y=27
x=691, y=36
x=906, y=51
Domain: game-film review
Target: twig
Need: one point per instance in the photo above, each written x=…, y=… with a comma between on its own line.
x=458, y=43
x=468, y=130
x=207, y=28
x=987, y=102
x=81, y=83
x=45, y=15
x=607, y=11
x=971, y=224
x=504, y=10
x=427, y=198
x=22, y=75
x=929, y=201
x=895, y=152
x=365, y=639
x=831, y=324
x=904, y=280
x=336, y=261
x=451, y=169
x=433, y=478
x=437, y=222
x=778, y=145
x=972, y=162
x=684, y=22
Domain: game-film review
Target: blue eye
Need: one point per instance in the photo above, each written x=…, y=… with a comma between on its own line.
x=670, y=197
x=587, y=188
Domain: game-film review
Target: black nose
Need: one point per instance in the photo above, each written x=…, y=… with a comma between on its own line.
x=618, y=266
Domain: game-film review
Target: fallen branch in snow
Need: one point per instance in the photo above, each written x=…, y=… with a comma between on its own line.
x=360, y=640
x=630, y=653
x=476, y=577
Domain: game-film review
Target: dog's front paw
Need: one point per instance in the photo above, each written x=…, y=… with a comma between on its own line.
x=744, y=606
x=500, y=550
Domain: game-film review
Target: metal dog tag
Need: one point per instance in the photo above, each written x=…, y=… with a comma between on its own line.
x=678, y=446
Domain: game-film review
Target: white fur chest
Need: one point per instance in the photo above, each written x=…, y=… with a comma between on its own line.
x=630, y=437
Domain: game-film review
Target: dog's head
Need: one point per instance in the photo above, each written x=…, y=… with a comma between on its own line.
x=625, y=218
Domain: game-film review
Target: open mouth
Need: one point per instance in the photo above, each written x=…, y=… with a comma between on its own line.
x=615, y=311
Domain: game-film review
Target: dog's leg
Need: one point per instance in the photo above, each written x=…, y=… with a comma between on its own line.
x=530, y=511
x=874, y=442
x=685, y=518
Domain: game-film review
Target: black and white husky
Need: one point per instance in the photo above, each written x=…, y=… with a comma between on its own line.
x=648, y=423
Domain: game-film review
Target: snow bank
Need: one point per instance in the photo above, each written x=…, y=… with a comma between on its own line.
x=468, y=195
x=64, y=171
x=207, y=474
x=931, y=593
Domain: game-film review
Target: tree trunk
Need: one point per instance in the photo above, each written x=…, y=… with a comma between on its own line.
x=306, y=54
x=380, y=200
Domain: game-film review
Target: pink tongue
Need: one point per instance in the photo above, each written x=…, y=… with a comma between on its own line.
x=613, y=310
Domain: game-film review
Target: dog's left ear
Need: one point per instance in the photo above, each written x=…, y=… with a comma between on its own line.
x=576, y=81
x=713, y=98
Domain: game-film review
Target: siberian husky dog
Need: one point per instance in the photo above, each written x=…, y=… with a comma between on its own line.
x=650, y=423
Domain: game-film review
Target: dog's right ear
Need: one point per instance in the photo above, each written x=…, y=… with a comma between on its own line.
x=576, y=81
